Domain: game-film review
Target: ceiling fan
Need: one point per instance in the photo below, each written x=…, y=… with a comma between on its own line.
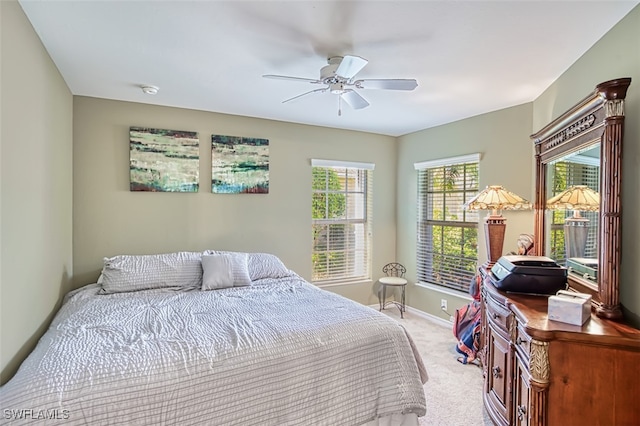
x=338, y=78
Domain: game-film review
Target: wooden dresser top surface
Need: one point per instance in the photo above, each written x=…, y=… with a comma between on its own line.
x=531, y=311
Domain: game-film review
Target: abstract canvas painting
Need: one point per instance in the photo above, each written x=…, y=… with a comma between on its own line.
x=163, y=160
x=239, y=165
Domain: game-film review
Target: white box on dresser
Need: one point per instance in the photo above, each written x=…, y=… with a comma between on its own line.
x=570, y=307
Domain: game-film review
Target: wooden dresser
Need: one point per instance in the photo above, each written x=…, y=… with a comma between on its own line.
x=542, y=372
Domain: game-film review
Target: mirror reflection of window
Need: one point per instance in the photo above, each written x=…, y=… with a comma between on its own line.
x=581, y=168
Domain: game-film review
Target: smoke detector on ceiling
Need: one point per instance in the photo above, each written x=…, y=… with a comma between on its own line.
x=149, y=90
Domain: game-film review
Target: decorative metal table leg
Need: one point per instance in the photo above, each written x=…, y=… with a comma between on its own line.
x=384, y=296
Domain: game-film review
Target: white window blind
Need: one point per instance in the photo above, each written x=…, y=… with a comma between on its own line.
x=565, y=175
x=447, y=240
x=341, y=209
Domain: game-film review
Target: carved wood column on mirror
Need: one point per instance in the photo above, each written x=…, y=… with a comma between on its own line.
x=598, y=120
x=539, y=204
x=610, y=205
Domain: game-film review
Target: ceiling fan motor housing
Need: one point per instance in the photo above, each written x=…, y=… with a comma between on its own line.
x=328, y=72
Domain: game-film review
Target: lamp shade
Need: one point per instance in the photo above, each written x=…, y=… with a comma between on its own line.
x=496, y=197
x=578, y=197
x=576, y=232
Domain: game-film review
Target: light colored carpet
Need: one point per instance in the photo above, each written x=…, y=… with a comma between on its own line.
x=454, y=390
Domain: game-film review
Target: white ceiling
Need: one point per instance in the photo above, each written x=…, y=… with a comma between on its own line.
x=469, y=57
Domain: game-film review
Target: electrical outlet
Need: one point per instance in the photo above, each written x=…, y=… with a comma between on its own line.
x=443, y=304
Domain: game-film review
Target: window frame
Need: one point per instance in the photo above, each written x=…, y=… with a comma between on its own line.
x=358, y=252
x=426, y=255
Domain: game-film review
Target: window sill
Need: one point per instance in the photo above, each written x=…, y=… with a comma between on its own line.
x=444, y=290
x=342, y=283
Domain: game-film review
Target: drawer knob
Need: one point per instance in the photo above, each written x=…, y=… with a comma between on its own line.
x=495, y=316
x=522, y=412
x=520, y=341
x=496, y=371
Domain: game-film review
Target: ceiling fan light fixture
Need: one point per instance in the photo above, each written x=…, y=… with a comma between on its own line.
x=337, y=88
x=149, y=90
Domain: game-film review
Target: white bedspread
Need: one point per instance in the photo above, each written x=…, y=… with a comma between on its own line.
x=281, y=352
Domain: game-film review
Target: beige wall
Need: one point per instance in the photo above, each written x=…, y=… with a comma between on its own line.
x=36, y=197
x=616, y=55
x=111, y=220
x=502, y=139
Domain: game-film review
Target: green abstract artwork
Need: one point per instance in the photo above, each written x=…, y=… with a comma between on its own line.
x=239, y=165
x=163, y=160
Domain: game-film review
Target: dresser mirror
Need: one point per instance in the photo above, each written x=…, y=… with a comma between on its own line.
x=581, y=151
x=572, y=229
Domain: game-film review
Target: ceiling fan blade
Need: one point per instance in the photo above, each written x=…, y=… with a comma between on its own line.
x=354, y=99
x=324, y=89
x=350, y=66
x=387, y=83
x=286, y=77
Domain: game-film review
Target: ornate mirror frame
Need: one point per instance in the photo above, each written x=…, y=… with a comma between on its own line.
x=599, y=117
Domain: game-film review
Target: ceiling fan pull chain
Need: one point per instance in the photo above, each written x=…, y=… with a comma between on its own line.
x=339, y=106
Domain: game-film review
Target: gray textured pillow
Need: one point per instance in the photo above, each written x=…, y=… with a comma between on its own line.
x=140, y=272
x=261, y=265
x=225, y=270
x=266, y=265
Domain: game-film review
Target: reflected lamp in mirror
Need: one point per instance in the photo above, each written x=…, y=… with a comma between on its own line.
x=496, y=198
x=576, y=228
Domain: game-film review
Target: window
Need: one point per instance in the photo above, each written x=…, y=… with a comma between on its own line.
x=447, y=234
x=341, y=209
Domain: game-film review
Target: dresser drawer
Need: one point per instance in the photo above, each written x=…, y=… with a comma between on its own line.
x=498, y=315
x=523, y=343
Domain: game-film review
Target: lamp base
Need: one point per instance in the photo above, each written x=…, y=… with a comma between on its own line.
x=494, y=229
x=576, y=230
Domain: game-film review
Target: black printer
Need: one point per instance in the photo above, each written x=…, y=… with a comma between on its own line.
x=529, y=274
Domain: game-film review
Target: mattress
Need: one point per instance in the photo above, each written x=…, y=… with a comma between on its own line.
x=278, y=352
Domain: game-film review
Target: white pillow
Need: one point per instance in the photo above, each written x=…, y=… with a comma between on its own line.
x=225, y=270
x=140, y=272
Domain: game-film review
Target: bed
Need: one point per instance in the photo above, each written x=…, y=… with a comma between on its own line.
x=163, y=340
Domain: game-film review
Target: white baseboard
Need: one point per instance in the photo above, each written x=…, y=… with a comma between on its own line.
x=430, y=317
x=425, y=315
